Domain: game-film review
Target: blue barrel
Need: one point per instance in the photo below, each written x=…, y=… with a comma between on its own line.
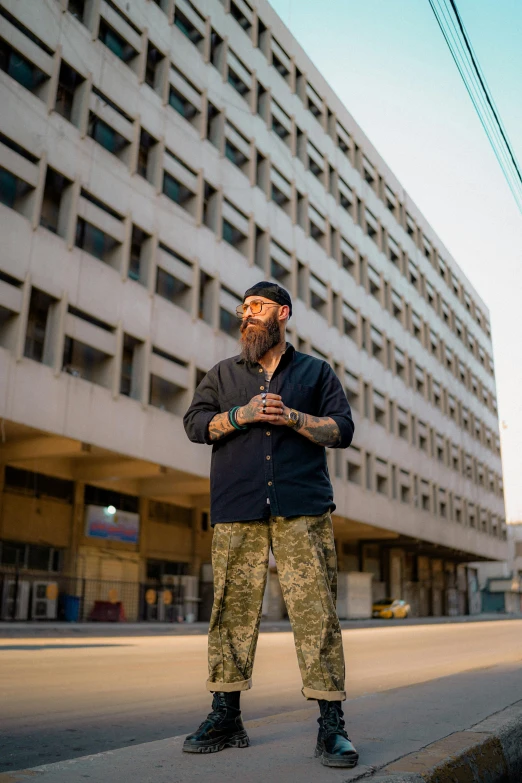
x=72, y=609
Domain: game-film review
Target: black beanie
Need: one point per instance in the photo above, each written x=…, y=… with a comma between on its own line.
x=270, y=291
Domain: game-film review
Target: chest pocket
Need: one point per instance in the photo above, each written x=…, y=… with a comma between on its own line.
x=237, y=397
x=302, y=398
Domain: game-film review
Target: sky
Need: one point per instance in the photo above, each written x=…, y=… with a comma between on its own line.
x=388, y=62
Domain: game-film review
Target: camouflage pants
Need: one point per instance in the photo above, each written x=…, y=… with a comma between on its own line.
x=304, y=551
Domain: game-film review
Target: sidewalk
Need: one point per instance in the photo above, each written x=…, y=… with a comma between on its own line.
x=57, y=629
x=467, y=727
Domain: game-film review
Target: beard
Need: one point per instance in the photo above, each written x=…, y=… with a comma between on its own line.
x=259, y=338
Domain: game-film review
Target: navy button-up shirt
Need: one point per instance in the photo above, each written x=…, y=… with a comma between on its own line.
x=269, y=470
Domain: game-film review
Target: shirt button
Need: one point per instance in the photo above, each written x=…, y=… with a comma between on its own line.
x=260, y=369
x=268, y=433
x=268, y=456
x=262, y=388
x=269, y=483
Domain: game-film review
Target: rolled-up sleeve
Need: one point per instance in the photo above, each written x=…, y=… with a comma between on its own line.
x=333, y=403
x=202, y=409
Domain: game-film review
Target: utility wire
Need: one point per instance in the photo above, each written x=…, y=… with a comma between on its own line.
x=466, y=61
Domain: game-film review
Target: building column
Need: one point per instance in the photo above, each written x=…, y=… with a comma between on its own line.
x=76, y=532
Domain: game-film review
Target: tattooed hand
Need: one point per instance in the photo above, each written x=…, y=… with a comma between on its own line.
x=319, y=429
x=272, y=412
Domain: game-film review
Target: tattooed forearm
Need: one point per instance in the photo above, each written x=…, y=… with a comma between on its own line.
x=220, y=426
x=320, y=429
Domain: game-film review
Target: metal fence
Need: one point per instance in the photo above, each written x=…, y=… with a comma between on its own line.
x=25, y=596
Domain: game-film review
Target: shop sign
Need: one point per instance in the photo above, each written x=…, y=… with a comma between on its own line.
x=111, y=524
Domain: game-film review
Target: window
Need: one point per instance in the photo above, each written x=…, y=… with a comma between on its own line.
x=416, y=324
x=405, y=486
x=281, y=60
x=176, y=190
x=53, y=215
x=403, y=422
x=128, y=376
x=22, y=70
x=237, y=147
x=318, y=295
x=344, y=141
x=166, y=396
x=193, y=27
x=317, y=223
x=281, y=123
x=351, y=389
x=77, y=9
x=348, y=257
x=152, y=70
x=281, y=190
x=400, y=363
x=423, y=435
x=354, y=472
x=145, y=167
x=85, y=361
x=15, y=193
x=94, y=241
x=174, y=278
x=140, y=250
x=39, y=308
x=377, y=344
x=216, y=50
x=116, y=43
x=372, y=226
x=103, y=133
x=349, y=316
x=315, y=161
x=206, y=297
x=280, y=263
x=67, y=96
x=239, y=76
x=394, y=252
x=184, y=96
x=379, y=408
x=235, y=227
x=313, y=101
x=374, y=282
x=413, y=274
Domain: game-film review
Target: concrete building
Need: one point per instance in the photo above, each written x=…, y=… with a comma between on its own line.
x=500, y=583
x=157, y=158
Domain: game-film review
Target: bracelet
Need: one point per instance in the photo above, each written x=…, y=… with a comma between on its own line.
x=232, y=419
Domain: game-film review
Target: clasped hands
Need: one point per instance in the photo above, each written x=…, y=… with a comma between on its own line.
x=264, y=407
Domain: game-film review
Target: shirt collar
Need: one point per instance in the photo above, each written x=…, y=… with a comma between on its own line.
x=288, y=352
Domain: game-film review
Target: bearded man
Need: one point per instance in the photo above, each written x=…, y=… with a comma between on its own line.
x=269, y=414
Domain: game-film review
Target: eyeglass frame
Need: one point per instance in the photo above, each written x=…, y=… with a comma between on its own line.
x=242, y=309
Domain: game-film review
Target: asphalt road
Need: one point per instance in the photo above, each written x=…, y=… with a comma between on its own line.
x=63, y=698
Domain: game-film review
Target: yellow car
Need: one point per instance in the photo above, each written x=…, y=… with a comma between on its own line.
x=390, y=609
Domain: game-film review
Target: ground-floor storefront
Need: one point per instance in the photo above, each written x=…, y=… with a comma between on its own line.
x=86, y=534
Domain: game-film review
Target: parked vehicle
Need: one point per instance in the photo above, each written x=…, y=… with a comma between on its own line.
x=391, y=609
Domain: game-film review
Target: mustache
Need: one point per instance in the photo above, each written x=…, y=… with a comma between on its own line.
x=252, y=321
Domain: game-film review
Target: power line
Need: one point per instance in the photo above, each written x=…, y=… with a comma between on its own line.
x=459, y=44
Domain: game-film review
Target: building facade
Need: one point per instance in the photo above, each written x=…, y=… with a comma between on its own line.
x=158, y=157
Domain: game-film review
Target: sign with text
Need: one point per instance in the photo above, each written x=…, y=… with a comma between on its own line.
x=111, y=524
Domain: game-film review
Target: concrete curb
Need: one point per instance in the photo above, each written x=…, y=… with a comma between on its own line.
x=489, y=752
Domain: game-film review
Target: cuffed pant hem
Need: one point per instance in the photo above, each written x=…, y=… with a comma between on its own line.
x=309, y=693
x=229, y=687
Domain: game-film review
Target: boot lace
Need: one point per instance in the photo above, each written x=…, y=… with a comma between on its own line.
x=333, y=723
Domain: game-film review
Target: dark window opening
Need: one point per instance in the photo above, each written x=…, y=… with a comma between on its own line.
x=96, y=496
x=55, y=186
x=182, y=105
x=102, y=133
x=68, y=82
x=237, y=83
x=22, y=70
x=38, y=485
x=154, y=58
x=138, y=248
x=176, y=191
x=173, y=289
x=39, y=307
x=94, y=241
x=187, y=28
x=15, y=193
x=127, y=376
x=167, y=396
x=116, y=43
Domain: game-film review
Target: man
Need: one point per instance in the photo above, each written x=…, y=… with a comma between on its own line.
x=269, y=414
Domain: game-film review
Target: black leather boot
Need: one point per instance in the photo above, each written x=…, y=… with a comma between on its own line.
x=222, y=728
x=333, y=744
